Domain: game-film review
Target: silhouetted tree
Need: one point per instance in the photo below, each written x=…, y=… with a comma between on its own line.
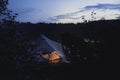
x=14, y=44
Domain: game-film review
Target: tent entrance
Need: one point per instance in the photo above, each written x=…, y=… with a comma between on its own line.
x=53, y=57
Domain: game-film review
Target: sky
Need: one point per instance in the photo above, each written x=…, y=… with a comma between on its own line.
x=64, y=11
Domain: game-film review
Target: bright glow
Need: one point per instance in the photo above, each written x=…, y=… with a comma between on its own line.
x=53, y=57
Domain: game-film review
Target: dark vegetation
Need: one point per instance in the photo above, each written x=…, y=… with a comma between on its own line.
x=85, y=44
x=89, y=47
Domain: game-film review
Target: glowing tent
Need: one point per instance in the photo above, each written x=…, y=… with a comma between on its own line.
x=49, y=50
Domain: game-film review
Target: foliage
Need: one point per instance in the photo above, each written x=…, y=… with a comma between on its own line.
x=10, y=47
x=95, y=40
x=5, y=14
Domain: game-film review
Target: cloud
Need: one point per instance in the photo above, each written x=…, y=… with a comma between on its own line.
x=65, y=16
x=24, y=11
x=117, y=16
x=103, y=6
x=77, y=15
x=27, y=14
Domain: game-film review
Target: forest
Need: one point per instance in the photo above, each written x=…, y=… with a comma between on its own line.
x=92, y=43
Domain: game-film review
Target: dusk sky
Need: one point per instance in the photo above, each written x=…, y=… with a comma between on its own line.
x=64, y=11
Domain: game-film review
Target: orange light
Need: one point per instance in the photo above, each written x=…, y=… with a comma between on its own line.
x=53, y=57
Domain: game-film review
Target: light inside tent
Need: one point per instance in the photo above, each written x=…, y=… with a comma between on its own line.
x=53, y=57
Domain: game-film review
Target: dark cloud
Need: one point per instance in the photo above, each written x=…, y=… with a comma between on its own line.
x=26, y=14
x=64, y=16
x=118, y=17
x=56, y=18
x=25, y=10
x=29, y=10
x=103, y=6
x=52, y=19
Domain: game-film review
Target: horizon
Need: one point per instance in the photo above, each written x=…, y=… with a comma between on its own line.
x=56, y=11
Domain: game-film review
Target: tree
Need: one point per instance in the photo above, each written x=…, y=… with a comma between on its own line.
x=12, y=45
x=7, y=33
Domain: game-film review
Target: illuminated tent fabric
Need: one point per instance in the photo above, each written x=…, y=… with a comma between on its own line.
x=53, y=57
x=47, y=46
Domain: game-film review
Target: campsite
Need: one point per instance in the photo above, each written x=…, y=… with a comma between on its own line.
x=59, y=49
x=59, y=39
x=49, y=50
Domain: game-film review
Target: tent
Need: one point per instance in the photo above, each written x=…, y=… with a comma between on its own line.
x=49, y=50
